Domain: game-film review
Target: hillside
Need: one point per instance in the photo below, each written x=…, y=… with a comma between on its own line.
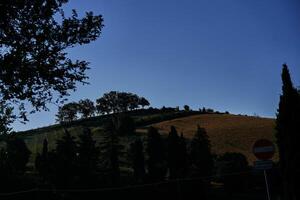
x=228, y=133
x=34, y=138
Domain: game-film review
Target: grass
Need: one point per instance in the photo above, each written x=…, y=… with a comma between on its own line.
x=227, y=133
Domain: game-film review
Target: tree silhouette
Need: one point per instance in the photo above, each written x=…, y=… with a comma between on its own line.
x=13, y=159
x=138, y=160
x=67, y=112
x=200, y=153
x=88, y=158
x=182, y=157
x=65, y=161
x=133, y=102
x=210, y=110
x=288, y=128
x=6, y=117
x=86, y=108
x=156, y=159
x=174, y=149
x=34, y=66
x=42, y=162
x=111, y=149
x=186, y=108
x=228, y=164
x=108, y=103
x=143, y=102
x=17, y=155
x=116, y=102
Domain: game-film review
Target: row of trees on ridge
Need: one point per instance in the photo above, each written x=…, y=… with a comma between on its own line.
x=112, y=102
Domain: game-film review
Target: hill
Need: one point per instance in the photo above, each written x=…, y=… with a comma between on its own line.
x=34, y=138
x=228, y=133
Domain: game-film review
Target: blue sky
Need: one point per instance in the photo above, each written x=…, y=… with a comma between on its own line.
x=226, y=55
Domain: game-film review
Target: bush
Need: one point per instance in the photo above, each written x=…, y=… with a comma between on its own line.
x=186, y=108
x=232, y=169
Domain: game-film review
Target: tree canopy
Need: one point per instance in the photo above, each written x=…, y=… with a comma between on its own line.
x=6, y=117
x=186, y=108
x=86, y=108
x=67, y=112
x=116, y=102
x=34, y=65
x=144, y=102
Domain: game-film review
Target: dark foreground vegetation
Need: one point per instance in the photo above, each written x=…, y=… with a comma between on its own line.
x=152, y=166
x=35, y=70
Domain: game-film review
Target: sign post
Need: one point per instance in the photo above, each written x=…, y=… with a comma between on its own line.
x=267, y=186
x=264, y=150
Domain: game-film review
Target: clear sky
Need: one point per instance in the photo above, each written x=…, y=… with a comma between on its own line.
x=223, y=54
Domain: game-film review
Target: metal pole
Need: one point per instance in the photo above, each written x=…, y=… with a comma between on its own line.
x=267, y=186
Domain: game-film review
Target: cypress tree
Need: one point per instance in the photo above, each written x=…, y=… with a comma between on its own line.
x=200, y=153
x=156, y=158
x=182, y=157
x=287, y=135
x=173, y=153
x=111, y=149
x=42, y=163
x=88, y=158
x=65, y=165
x=138, y=160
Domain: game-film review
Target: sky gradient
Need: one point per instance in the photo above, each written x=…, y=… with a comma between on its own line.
x=225, y=55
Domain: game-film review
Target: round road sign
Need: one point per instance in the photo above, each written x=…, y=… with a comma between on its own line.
x=263, y=149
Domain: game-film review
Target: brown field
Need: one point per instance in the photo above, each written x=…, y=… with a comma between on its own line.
x=227, y=133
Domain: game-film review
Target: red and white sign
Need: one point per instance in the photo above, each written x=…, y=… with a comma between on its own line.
x=263, y=149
